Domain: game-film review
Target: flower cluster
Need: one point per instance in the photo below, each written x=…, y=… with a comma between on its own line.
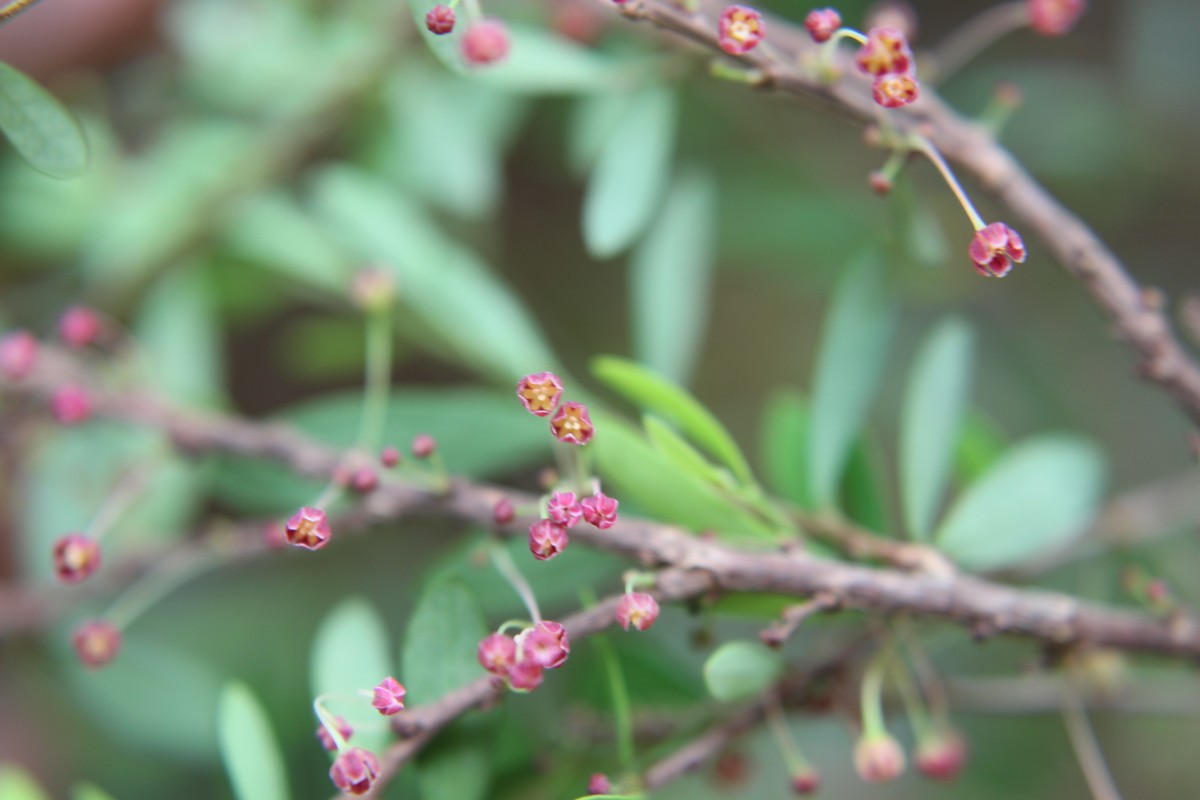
x=540, y=393
x=740, y=30
x=886, y=56
x=520, y=661
x=548, y=536
x=355, y=769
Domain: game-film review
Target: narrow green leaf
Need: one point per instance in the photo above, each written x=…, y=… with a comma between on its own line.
x=784, y=446
x=683, y=455
x=248, y=746
x=854, y=345
x=740, y=670
x=41, y=129
x=652, y=392
x=593, y=118
x=1036, y=498
x=86, y=791
x=350, y=653
x=934, y=404
x=627, y=183
x=461, y=772
x=863, y=491
x=440, y=645
x=17, y=784
x=177, y=330
x=670, y=275
x=271, y=229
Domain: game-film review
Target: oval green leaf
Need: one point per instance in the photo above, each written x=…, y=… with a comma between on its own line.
x=741, y=670
x=440, y=645
x=42, y=131
x=248, y=746
x=783, y=441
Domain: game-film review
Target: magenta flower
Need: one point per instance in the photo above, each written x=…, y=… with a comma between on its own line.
x=71, y=404
x=995, y=248
x=894, y=91
x=343, y=728
x=76, y=557
x=525, y=676
x=96, y=642
x=540, y=392
x=546, y=644
x=485, y=42
x=547, y=539
x=354, y=770
x=18, y=355
x=572, y=424
x=389, y=697
x=308, y=528
x=637, y=609
x=740, y=30
x=563, y=509
x=79, y=327
x=822, y=23
x=497, y=653
x=600, y=510
x=440, y=20
x=878, y=759
x=886, y=52
x=1055, y=17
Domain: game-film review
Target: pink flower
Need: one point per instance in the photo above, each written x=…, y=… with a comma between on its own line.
x=878, y=759
x=364, y=480
x=71, y=404
x=821, y=23
x=547, y=539
x=354, y=770
x=599, y=784
x=485, y=42
x=308, y=528
x=497, y=653
x=539, y=392
x=389, y=457
x=525, y=676
x=886, y=51
x=637, y=609
x=572, y=424
x=806, y=782
x=18, y=354
x=423, y=446
x=894, y=91
x=79, y=327
x=96, y=642
x=563, y=509
x=1055, y=17
x=343, y=728
x=546, y=644
x=942, y=757
x=995, y=248
x=440, y=20
x=389, y=697
x=600, y=510
x=740, y=29
x=76, y=557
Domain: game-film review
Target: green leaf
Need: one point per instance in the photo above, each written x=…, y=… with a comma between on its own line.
x=934, y=404
x=350, y=653
x=40, y=128
x=654, y=393
x=981, y=443
x=670, y=444
x=854, y=345
x=85, y=791
x=461, y=772
x=248, y=747
x=740, y=670
x=670, y=275
x=784, y=445
x=863, y=490
x=627, y=183
x=179, y=342
x=1036, y=498
x=440, y=645
x=17, y=784
x=593, y=118
x=540, y=62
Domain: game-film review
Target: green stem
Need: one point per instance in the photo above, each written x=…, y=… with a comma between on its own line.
x=872, y=693
x=505, y=566
x=796, y=762
x=914, y=705
x=622, y=710
x=157, y=584
x=932, y=153
x=378, y=379
x=328, y=721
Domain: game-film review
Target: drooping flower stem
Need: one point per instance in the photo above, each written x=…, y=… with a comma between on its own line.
x=933, y=154
x=508, y=570
x=829, y=48
x=129, y=487
x=172, y=573
x=795, y=760
x=914, y=704
x=328, y=722
x=377, y=381
x=1087, y=749
x=871, y=696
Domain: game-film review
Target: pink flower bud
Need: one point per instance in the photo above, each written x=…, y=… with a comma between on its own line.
x=1055, y=17
x=76, y=557
x=880, y=183
x=942, y=757
x=563, y=509
x=373, y=289
x=485, y=42
x=545, y=644
x=600, y=510
x=547, y=539
x=389, y=697
x=637, y=609
x=423, y=446
x=343, y=728
x=497, y=653
x=308, y=528
x=806, y=782
x=894, y=91
x=878, y=759
x=503, y=512
x=886, y=52
x=599, y=784
x=994, y=249
x=822, y=23
x=18, y=354
x=539, y=392
x=389, y=457
x=96, y=642
x=79, y=327
x=525, y=675
x=572, y=424
x=354, y=770
x=364, y=480
x=740, y=29
x=440, y=20
x=71, y=404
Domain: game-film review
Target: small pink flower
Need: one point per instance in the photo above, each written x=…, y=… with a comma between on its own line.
x=308, y=528
x=525, y=676
x=600, y=510
x=503, y=512
x=423, y=446
x=71, y=404
x=354, y=770
x=547, y=539
x=326, y=739
x=546, y=644
x=485, y=42
x=364, y=480
x=79, y=327
x=942, y=757
x=18, y=354
x=637, y=609
x=572, y=424
x=1055, y=17
x=822, y=23
x=389, y=457
x=440, y=20
x=389, y=697
x=995, y=248
x=497, y=653
x=599, y=784
x=563, y=509
x=740, y=29
x=539, y=392
x=96, y=642
x=878, y=759
x=76, y=557
x=806, y=782
x=894, y=90
x=885, y=52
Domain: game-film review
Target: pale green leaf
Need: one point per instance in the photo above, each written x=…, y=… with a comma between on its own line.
x=593, y=118
x=981, y=443
x=17, y=784
x=41, y=129
x=271, y=229
x=179, y=339
x=86, y=791
x=683, y=455
x=784, y=445
x=248, y=746
x=540, y=62
x=740, y=670
x=460, y=772
x=440, y=645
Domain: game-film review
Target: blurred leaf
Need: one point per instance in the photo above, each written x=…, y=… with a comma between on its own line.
x=683, y=455
x=862, y=492
x=740, y=670
x=593, y=118
x=854, y=344
x=652, y=392
x=39, y=127
x=1036, y=498
x=179, y=340
x=541, y=62
x=440, y=645
x=248, y=747
x=980, y=444
x=444, y=284
x=350, y=653
x=461, y=772
x=17, y=784
x=627, y=183
x=85, y=791
x=934, y=404
x=784, y=444
x=670, y=274
x=271, y=229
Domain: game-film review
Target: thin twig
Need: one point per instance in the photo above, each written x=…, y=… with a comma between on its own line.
x=1087, y=749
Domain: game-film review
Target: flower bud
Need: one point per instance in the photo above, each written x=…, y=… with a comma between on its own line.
x=485, y=42
x=364, y=480
x=79, y=327
x=637, y=609
x=547, y=539
x=600, y=510
x=822, y=23
x=389, y=457
x=994, y=248
x=942, y=756
x=540, y=392
x=71, y=404
x=878, y=759
x=440, y=20
x=389, y=697
x=806, y=781
x=373, y=289
x=76, y=557
x=1055, y=17
x=740, y=30
x=572, y=424
x=546, y=644
x=96, y=642
x=308, y=528
x=18, y=355
x=599, y=784
x=423, y=446
x=343, y=728
x=497, y=653
x=563, y=509
x=354, y=770
x=503, y=512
